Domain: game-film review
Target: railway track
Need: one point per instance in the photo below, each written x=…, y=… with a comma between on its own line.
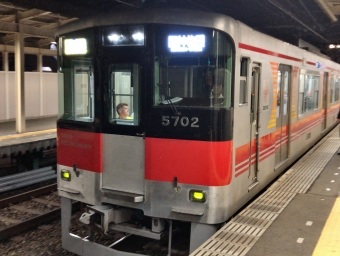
x=28, y=210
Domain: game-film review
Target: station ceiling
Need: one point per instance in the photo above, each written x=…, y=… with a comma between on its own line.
x=314, y=21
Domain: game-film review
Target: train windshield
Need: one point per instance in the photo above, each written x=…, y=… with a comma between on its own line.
x=193, y=67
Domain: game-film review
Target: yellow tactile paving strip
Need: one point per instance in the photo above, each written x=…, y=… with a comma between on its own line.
x=329, y=241
x=26, y=134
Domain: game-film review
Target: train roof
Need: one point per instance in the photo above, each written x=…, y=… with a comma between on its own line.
x=152, y=15
x=191, y=18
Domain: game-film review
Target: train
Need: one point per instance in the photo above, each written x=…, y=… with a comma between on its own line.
x=175, y=115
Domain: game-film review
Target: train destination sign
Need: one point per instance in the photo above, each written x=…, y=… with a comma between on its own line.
x=186, y=43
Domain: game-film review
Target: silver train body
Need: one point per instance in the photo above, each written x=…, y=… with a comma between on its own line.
x=182, y=161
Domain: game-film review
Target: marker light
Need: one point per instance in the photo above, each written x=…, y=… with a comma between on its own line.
x=75, y=46
x=198, y=196
x=65, y=175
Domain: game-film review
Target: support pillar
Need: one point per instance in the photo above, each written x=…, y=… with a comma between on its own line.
x=20, y=81
x=39, y=69
x=5, y=65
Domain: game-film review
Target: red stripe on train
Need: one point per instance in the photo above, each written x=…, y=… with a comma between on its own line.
x=269, y=141
x=192, y=162
x=81, y=148
x=264, y=51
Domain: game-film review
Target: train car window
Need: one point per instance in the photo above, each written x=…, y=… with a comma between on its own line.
x=336, y=89
x=302, y=94
x=278, y=97
x=78, y=92
x=193, y=67
x=332, y=89
x=83, y=93
x=124, y=79
x=252, y=97
x=316, y=85
x=309, y=87
x=311, y=84
x=285, y=93
x=243, y=82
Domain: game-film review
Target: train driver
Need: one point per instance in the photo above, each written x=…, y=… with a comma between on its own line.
x=216, y=93
x=123, y=111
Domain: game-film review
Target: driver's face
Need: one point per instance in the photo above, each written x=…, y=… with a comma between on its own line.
x=217, y=89
x=124, y=111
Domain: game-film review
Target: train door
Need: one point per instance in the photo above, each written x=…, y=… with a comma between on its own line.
x=324, y=101
x=282, y=115
x=254, y=126
x=124, y=162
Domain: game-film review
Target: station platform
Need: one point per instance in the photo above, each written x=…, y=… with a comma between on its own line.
x=299, y=214
x=40, y=135
x=32, y=125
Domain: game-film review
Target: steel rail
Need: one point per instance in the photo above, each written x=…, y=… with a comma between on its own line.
x=27, y=195
x=34, y=222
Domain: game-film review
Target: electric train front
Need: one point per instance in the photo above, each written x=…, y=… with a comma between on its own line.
x=145, y=128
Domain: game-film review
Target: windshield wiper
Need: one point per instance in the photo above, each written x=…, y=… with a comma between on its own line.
x=169, y=101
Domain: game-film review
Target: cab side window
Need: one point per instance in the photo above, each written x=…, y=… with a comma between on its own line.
x=77, y=92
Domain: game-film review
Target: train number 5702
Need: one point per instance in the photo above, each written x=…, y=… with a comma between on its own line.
x=180, y=121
